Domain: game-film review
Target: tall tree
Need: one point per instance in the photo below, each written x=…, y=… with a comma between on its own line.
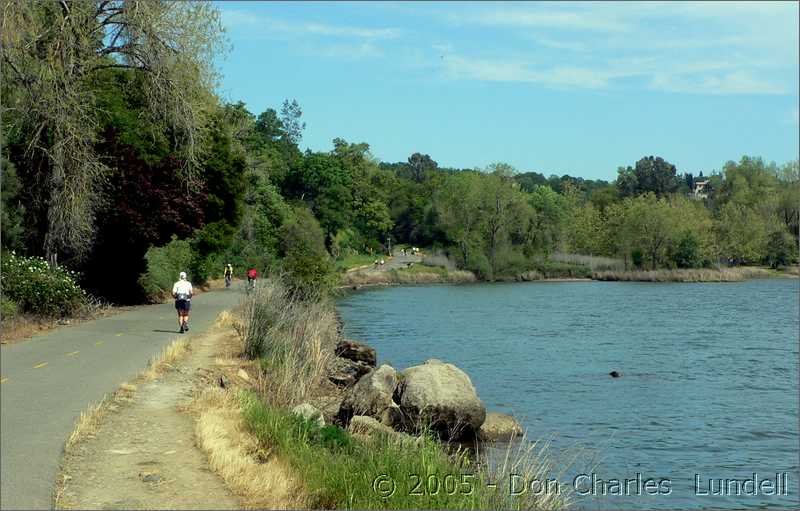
x=290, y=119
x=52, y=54
x=651, y=174
x=420, y=166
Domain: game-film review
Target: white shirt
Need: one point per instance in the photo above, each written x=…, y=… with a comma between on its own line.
x=182, y=287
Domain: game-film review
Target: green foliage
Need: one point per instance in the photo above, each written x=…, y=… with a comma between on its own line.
x=307, y=268
x=164, y=264
x=651, y=174
x=8, y=308
x=781, y=249
x=11, y=208
x=210, y=241
x=558, y=270
x=38, y=288
x=686, y=254
x=637, y=258
x=742, y=233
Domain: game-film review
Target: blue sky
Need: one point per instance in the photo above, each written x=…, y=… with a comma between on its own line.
x=576, y=88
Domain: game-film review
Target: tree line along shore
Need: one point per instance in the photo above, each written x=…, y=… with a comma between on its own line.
x=120, y=158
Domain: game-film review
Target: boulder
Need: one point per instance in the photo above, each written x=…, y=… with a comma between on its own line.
x=346, y=372
x=356, y=351
x=499, y=427
x=310, y=413
x=440, y=396
x=329, y=406
x=372, y=396
x=369, y=427
x=366, y=425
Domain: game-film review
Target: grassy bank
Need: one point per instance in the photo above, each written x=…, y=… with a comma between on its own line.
x=341, y=469
x=684, y=275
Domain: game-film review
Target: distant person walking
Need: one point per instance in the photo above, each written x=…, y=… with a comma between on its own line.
x=182, y=292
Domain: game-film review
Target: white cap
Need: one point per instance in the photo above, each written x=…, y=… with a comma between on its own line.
x=183, y=275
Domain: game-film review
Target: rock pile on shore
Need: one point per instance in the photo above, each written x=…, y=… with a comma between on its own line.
x=435, y=396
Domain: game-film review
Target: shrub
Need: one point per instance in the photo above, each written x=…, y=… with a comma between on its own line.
x=294, y=339
x=306, y=264
x=781, y=249
x=686, y=254
x=38, y=288
x=637, y=257
x=557, y=270
x=212, y=239
x=163, y=266
x=8, y=308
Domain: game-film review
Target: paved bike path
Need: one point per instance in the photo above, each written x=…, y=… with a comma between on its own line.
x=47, y=381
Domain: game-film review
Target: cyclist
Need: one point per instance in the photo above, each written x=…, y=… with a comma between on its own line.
x=228, y=275
x=182, y=292
x=252, y=275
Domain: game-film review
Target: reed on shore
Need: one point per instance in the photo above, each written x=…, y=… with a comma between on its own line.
x=683, y=275
x=418, y=274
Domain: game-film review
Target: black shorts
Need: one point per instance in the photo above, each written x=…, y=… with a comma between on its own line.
x=183, y=305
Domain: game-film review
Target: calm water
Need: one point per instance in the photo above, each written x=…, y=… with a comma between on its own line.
x=710, y=385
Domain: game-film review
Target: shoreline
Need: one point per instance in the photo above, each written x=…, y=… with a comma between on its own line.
x=370, y=279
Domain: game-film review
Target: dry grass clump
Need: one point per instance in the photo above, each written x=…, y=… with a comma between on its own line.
x=261, y=479
x=595, y=263
x=89, y=420
x=683, y=275
x=294, y=340
x=166, y=359
x=86, y=424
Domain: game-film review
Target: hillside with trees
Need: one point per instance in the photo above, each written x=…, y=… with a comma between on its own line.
x=121, y=162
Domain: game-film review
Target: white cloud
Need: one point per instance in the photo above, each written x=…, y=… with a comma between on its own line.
x=541, y=18
x=249, y=21
x=739, y=82
x=459, y=67
x=344, y=51
x=363, y=33
x=696, y=47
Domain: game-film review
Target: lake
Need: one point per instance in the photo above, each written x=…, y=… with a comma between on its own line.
x=709, y=388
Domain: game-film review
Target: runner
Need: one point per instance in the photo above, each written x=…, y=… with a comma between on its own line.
x=182, y=292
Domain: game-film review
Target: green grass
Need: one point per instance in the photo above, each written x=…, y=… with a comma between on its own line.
x=354, y=261
x=342, y=471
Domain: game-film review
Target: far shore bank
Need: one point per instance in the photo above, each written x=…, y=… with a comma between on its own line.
x=361, y=279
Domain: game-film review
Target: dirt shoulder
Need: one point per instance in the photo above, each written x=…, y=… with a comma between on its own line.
x=153, y=444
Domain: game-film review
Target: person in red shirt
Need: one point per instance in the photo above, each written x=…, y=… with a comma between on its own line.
x=252, y=275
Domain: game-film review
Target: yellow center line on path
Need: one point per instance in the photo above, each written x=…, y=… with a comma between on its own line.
x=119, y=335
x=98, y=343
x=72, y=353
x=3, y=380
x=37, y=366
